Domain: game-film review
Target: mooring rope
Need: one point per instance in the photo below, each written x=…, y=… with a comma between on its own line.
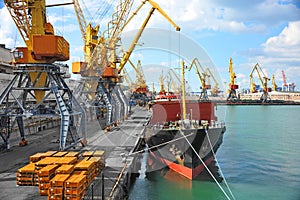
x=205, y=165
x=225, y=181
x=149, y=148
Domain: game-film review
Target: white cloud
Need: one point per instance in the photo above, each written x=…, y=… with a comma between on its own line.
x=8, y=32
x=286, y=44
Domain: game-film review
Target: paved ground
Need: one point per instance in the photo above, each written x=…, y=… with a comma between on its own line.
x=116, y=144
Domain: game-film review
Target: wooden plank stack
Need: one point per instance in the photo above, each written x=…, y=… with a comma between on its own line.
x=75, y=187
x=26, y=175
x=56, y=190
x=44, y=177
x=62, y=175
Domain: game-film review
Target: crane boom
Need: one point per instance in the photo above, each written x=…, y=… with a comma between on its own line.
x=127, y=54
x=80, y=18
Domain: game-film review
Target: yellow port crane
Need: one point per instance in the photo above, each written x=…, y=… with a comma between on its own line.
x=104, y=59
x=232, y=96
x=38, y=78
x=263, y=80
x=202, y=76
x=141, y=86
x=274, y=85
x=215, y=90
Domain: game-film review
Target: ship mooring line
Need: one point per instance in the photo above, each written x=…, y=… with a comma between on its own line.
x=210, y=173
x=219, y=165
x=149, y=148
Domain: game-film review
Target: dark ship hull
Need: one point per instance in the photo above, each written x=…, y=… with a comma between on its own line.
x=184, y=146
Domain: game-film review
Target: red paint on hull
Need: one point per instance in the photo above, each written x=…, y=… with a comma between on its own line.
x=183, y=170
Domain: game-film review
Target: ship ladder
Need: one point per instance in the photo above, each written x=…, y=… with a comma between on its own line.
x=203, y=163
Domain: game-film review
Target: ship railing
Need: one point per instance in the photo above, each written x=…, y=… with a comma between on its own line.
x=187, y=124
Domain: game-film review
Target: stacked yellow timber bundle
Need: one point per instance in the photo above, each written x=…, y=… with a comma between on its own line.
x=44, y=177
x=56, y=190
x=38, y=156
x=97, y=157
x=87, y=168
x=75, y=187
x=26, y=175
x=51, y=170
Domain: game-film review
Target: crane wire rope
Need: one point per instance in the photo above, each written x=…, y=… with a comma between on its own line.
x=101, y=12
x=203, y=163
x=225, y=181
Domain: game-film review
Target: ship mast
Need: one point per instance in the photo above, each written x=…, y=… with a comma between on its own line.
x=183, y=91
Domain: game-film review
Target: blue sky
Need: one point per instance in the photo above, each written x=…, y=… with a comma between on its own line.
x=255, y=31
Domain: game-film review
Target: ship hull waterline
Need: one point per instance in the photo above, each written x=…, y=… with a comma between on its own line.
x=179, y=150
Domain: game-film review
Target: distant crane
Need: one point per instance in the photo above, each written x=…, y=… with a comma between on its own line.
x=264, y=83
x=284, y=79
x=202, y=76
x=215, y=90
x=141, y=86
x=232, y=86
x=274, y=86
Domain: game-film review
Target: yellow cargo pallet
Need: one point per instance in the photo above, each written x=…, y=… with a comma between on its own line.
x=55, y=197
x=54, y=191
x=25, y=183
x=59, y=180
x=84, y=165
x=56, y=160
x=88, y=153
x=98, y=153
x=60, y=154
x=65, y=169
x=75, y=181
x=43, y=192
x=30, y=168
x=76, y=191
x=36, y=157
x=44, y=186
x=72, y=154
x=47, y=171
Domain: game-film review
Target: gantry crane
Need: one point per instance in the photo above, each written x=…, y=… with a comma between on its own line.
x=202, y=76
x=232, y=96
x=38, y=88
x=105, y=58
x=264, y=83
x=215, y=90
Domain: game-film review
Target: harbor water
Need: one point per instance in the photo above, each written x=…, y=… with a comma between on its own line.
x=259, y=158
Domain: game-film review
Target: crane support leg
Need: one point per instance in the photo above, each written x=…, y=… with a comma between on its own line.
x=107, y=99
x=124, y=100
x=25, y=97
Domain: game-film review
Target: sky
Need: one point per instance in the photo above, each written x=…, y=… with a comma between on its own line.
x=255, y=31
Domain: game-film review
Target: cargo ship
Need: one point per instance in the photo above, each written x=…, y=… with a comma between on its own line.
x=183, y=135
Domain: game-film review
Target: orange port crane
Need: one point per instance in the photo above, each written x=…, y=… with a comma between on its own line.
x=38, y=88
x=264, y=83
x=232, y=96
